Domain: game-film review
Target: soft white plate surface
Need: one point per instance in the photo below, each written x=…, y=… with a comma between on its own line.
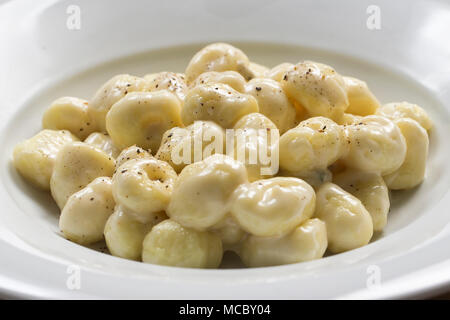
x=41, y=59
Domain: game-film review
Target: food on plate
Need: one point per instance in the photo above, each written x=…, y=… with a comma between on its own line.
x=278, y=164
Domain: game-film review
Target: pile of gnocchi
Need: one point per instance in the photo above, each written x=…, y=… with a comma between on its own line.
x=108, y=162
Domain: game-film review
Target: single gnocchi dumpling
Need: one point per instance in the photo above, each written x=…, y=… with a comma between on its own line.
x=84, y=216
x=277, y=73
x=412, y=171
x=35, y=158
x=133, y=152
x=217, y=102
x=76, y=165
x=171, y=244
x=229, y=232
x=183, y=146
x=273, y=102
x=103, y=142
x=306, y=242
x=141, y=118
x=231, y=78
x=272, y=207
x=171, y=81
x=217, y=57
x=318, y=88
x=361, y=100
x=201, y=193
x=371, y=190
x=311, y=146
x=398, y=110
x=112, y=91
x=255, y=143
x=124, y=234
x=69, y=113
x=349, y=225
x=144, y=186
x=375, y=144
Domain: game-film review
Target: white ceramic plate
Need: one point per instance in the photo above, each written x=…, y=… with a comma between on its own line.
x=408, y=58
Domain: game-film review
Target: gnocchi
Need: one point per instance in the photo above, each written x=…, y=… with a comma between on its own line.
x=179, y=145
x=273, y=102
x=318, y=88
x=141, y=118
x=200, y=197
x=371, y=190
x=35, y=158
x=272, y=207
x=347, y=221
x=397, y=110
x=84, y=216
x=412, y=171
x=375, y=144
x=144, y=186
x=255, y=143
x=111, y=92
x=311, y=147
x=76, y=165
x=69, y=113
x=306, y=242
x=279, y=165
x=217, y=102
x=217, y=57
x=124, y=234
x=173, y=82
x=361, y=100
x=171, y=244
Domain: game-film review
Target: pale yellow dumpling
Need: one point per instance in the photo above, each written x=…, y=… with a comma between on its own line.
x=412, y=171
x=398, y=110
x=375, y=144
x=111, y=92
x=273, y=102
x=141, y=118
x=272, y=207
x=183, y=146
x=124, y=234
x=217, y=102
x=311, y=146
x=318, y=88
x=144, y=185
x=35, y=158
x=306, y=242
x=348, y=223
x=256, y=145
x=201, y=193
x=361, y=100
x=69, y=113
x=371, y=190
x=84, y=216
x=217, y=57
x=76, y=165
x=171, y=244
x=170, y=81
